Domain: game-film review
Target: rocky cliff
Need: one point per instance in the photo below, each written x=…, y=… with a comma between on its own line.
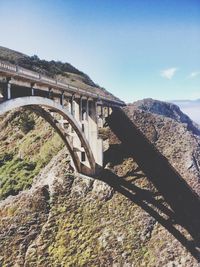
x=174, y=134
x=117, y=219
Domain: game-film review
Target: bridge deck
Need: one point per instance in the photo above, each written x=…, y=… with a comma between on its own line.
x=12, y=71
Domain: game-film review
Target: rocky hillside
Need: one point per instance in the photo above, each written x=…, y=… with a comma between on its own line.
x=117, y=219
x=27, y=144
x=165, y=109
x=175, y=135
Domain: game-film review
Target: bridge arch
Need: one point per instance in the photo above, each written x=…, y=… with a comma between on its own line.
x=41, y=106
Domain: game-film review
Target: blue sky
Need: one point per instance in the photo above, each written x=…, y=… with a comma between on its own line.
x=135, y=49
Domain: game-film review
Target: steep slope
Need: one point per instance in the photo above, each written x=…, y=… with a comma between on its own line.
x=27, y=144
x=190, y=107
x=118, y=219
x=174, y=134
x=165, y=109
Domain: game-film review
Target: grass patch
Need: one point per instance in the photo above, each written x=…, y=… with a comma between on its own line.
x=23, y=157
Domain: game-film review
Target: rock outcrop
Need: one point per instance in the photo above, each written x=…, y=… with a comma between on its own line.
x=174, y=134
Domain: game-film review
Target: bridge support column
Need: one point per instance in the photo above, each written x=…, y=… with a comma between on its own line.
x=84, y=114
x=95, y=142
x=77, y=110
x=100, y=117
x=101, y=111
x=50, y=93
x=81, y=109
x=72, y=105
x=8, y=89
x=62, y=99
x=32, y=90
x=103, y=116
x=68, y=106
x=87, y=109
x=76, y=107
x=107, y=111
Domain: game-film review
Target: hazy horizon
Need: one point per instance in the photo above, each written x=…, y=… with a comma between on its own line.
x=190, y=108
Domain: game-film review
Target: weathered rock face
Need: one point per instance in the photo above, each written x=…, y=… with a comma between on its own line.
x=165, y=109
x=173, y=133
x=118, y=219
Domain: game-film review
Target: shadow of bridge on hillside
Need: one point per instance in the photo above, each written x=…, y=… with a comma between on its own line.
x=184, y=203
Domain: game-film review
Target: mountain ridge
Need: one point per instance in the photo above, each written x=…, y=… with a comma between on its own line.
x=166, y=109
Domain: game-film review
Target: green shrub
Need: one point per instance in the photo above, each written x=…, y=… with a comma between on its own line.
x=26, y=122
x=5, y=157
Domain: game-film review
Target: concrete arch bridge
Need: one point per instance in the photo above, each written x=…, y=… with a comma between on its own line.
x=81, y=112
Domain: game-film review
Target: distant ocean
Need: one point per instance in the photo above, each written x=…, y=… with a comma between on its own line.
x=190, y=108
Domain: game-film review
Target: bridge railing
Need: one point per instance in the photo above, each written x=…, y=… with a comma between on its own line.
x=47, y=79
x=5, y=66
x=28, y=73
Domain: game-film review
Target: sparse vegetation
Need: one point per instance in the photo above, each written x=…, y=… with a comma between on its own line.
x=36, y=143
x=50, y=68
x=25, y=122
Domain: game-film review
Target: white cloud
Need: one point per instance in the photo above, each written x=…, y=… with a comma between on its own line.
x=194, y=74
x=168, y=73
